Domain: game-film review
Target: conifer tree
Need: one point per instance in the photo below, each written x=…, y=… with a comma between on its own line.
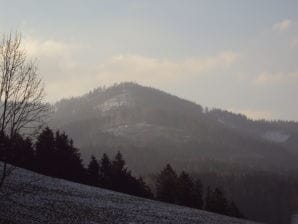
x=198, y=194
x=166, y=185
x=118, y=163
x=21, y=152
x=69, y=163
x=234, y=211
x=45, y=151
x=93, y=171
x=105, y=171
x=122, y=180
x=216, y=201
x=209, y=203
x=143, y=189
x=221, y=203
x=185, y=190
x=56, y=156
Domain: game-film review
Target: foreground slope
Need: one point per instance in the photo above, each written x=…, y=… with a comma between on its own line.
x=28, y=198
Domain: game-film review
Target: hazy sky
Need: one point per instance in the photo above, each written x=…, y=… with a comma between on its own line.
x=239, y=55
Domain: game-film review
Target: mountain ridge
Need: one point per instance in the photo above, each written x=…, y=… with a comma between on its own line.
x=137, y=119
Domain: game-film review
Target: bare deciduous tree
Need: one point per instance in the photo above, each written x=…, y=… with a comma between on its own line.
x=22, y=110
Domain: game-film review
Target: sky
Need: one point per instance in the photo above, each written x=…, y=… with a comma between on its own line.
x=237, y=55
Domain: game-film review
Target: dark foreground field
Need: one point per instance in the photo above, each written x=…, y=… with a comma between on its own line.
x=28, y=198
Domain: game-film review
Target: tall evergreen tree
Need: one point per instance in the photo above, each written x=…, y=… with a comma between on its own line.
x=221, y=203
x=115, y=176
x=185, y=190
x=21, y=152
x=166, y=185
x=143, y=190
x=118, y=163
x=105, y=172
x=209, y=203
x=69, y=163
x=234, y=211
x=45, y=152
x=121, y=178
x=198, y=194
x=93, y=171
x=216, y=201
x=56, y=156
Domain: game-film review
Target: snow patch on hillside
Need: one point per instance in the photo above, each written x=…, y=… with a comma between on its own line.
x=114, y=103
x=276, y=136
x=148, y=131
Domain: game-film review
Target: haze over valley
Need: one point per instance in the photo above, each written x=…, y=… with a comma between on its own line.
x=148, y=111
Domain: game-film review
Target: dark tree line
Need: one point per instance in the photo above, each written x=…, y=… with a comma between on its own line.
x=184, y=190
x=115, y=176
x=54, y=154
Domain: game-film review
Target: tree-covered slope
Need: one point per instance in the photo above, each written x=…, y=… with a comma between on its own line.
x=155, y=127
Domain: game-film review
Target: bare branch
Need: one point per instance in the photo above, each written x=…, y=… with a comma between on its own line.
x=22, y=107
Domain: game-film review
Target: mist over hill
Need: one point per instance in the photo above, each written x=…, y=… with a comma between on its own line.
x=152, y=128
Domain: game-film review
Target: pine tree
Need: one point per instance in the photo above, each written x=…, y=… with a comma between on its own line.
x=209, y=203
x=105, y=172
x=198, y=194
x=216, y=202
x=93, y=171
x=166, y=185
x=120, y=176
x=21, y=152
x=234, y=211
x=221, y=203
x=56, y=156
x=118, y=163
x=45, y=152
x=69, y=163
x=143, y=189
x=115, y=176
x=185, y=190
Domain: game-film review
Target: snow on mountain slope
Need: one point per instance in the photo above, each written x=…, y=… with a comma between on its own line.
x=115, y=102
x=276, y=136
x=138, y=120
x=29, y=198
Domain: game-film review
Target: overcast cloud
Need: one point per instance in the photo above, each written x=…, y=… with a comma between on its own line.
x=235, y=55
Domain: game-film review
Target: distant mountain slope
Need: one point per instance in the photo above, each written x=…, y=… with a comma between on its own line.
x=152, y=128
x=30, y=198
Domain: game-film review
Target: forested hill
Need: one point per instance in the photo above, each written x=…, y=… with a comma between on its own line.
x=153, y=128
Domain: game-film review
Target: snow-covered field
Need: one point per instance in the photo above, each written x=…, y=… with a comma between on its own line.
x=28, y=198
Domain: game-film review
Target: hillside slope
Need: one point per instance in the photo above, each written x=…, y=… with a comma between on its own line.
x=152, y=128
x=31, y=198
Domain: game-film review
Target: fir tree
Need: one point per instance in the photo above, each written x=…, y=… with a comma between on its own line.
x=216, y=201
x=234, y=211
x=45, y=151
x=69, y=163
x=21, y=152
x=166, y=185
x=198, y=194
x=185, y=190
x=93, y=171
x=121, y=178
x=105, y=172
x=209, y=203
